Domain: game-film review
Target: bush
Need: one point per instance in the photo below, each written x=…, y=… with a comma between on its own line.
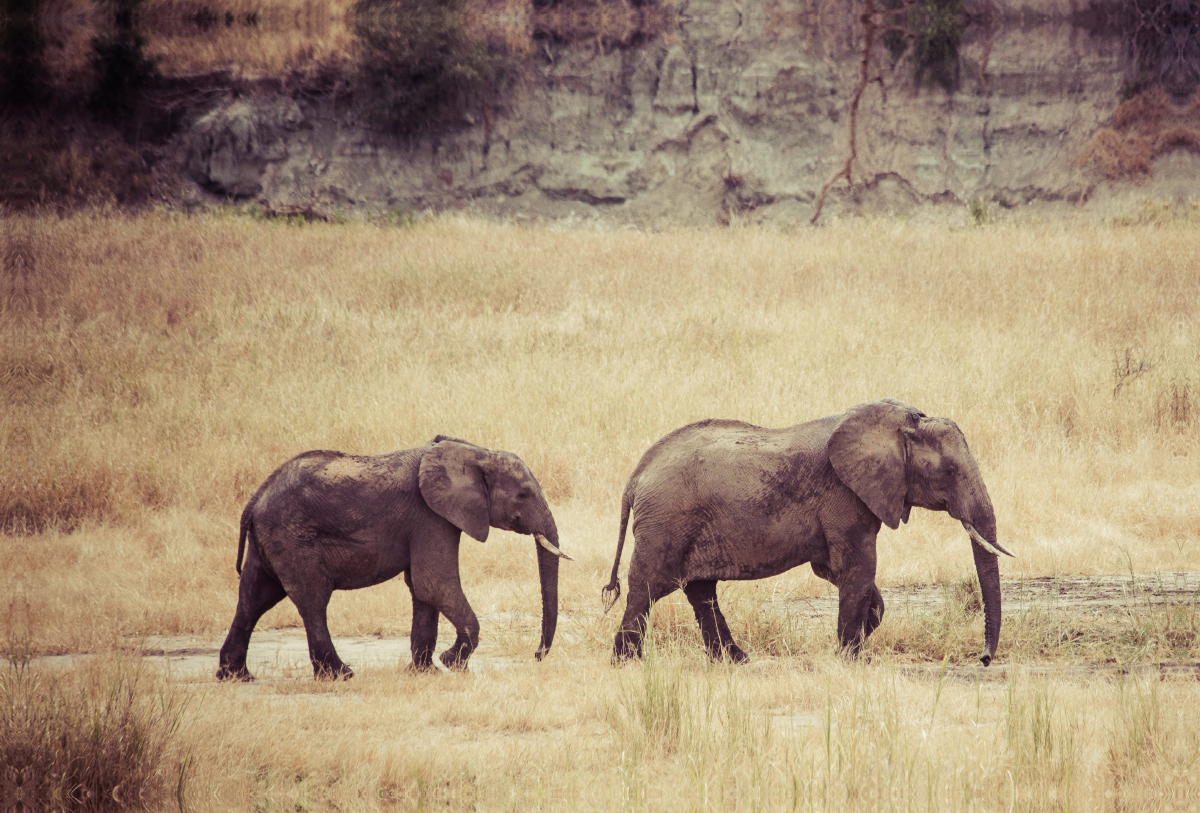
x=1118, y=156
x=123, y=72
x=416, y=68
x=22, y=54
x=941, y=30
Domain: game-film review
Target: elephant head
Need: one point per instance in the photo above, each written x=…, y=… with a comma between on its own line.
x=476, y=489
x=894, y=457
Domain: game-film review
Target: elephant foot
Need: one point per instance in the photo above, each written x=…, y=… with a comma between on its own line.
x=338, y=672
x=239, y=673
x=422, y=668
x=622, y=656
x=734, y=654
x=855, y=653
x=626, y=647
x=453, y=661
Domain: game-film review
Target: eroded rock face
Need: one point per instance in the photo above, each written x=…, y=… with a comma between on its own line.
x=232, y=145
x=743, y=112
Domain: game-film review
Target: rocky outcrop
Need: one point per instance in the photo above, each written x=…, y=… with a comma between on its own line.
x=232, y=145
x=744, y=112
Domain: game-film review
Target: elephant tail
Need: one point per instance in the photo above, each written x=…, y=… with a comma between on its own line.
x=247, y=523
x=612, y=591
x=247, y=529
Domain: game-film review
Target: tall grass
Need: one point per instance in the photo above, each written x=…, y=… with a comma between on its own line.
x=97, y=738
x=1044, y=743
x=165, y=365
x=173, y=360
x=700, y=737
x=156, y=369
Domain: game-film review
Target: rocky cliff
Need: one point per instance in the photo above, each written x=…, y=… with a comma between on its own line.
x=743, y=110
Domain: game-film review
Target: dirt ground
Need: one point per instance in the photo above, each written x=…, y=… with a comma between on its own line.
x=282, y=654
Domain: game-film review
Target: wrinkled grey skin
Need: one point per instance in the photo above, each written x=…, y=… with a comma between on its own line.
x=326, y=521
x=722, y=500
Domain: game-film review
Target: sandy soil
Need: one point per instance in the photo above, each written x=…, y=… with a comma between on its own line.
x=1091, y=594
x=283, y=654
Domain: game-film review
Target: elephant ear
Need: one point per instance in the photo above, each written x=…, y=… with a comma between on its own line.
x=869, y=454
x=452, y=484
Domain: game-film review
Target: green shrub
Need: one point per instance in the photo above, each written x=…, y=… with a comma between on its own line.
x=415, y=67
x=123, y=72
x=978, y=209
x=940, y=34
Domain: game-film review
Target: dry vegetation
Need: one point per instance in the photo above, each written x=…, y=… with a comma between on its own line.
x=1144, y=127
x=254, y=39
x=247, y=38
x=155, y=369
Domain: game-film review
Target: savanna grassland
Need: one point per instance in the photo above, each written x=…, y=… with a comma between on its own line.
x=157, y=368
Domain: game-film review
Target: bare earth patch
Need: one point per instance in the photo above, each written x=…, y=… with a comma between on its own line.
x=1091, y=594
x=282, y=654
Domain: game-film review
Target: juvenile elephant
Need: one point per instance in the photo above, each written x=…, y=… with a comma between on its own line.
x=326, y=521
x=720, y=500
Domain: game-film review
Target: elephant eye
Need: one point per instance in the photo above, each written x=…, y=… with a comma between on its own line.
x=524, y=494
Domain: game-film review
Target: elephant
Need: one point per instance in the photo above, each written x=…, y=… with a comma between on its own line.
x=326, y=521
x=725, y=500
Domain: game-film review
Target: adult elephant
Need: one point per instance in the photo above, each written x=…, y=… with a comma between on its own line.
x=326, y=521
x=721, y=500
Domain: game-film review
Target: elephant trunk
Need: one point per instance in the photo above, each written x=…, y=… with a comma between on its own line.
x=985, y=549
x=988, y=570
x=974, y=510
x=548, y=574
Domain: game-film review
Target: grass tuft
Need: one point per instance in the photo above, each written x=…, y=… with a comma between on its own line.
x=95, y=738
x=1044, y=740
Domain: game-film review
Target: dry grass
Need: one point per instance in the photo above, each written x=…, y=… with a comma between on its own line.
x=100, y=737
x=1144, y=127
x=256, y=39
x=247, y=38
x=676, y=733
x=155, y=369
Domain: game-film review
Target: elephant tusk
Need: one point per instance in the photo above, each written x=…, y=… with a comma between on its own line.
x=978, y=539
x=548, y=545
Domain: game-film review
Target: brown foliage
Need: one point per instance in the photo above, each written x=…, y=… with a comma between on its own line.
x=1118, y=155
x=1177, y=137
x=1144, y=110
x=275, y=38
x=43, y=167
x=1144, y=127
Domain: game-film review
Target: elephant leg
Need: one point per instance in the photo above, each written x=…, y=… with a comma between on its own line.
x=823, y=572
x=313, y=602
x=717, y=639
x=459, y=613
x=435, y=581
x=642, y=593
x=628, y=641
x=424, y=631
x=874, y=612
x=258, y=591
x=860, y=610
